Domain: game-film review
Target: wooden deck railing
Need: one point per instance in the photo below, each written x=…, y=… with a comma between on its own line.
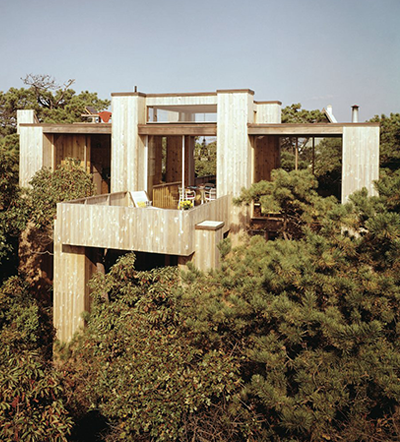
x=123, y=199
x=149, y=229
x=166, y=196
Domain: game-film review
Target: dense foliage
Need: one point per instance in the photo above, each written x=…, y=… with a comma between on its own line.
x=205, y=159
x=32, y=405
x=68, y=182
x=142, y=373
x=9, y=195
x=315, y=322
x=389, y=141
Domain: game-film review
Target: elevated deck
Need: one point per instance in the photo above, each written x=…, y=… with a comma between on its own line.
x=111, y=221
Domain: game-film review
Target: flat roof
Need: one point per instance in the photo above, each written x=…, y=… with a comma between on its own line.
x=310, y=129
x=181, y=128
x=75, y=128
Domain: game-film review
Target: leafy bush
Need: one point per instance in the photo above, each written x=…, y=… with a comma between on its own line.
x=31, y=394
x=68, y=182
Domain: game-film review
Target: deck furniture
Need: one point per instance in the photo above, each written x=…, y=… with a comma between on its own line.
x=140, y=199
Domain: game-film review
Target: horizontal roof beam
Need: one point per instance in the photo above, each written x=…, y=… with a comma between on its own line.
x=307, y=130
x=190, y=128
x=76, y=128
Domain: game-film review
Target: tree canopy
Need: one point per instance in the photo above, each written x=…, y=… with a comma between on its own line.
x=52, y=103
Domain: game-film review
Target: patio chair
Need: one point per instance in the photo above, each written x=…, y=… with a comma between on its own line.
x=187, y=194
x=140, y=199
x=190, y=194
x=211, y=194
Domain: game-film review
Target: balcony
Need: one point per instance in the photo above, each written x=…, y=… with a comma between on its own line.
x=111, y=221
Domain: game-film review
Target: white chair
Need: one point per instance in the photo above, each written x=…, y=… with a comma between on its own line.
x=187, y=194
x=190, y=195
x=211, y=194
x=140, y=199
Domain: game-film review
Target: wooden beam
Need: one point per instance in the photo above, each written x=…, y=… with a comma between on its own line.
x=296, y=130
x=194, y=129
x=304, y=130
x=78, y=128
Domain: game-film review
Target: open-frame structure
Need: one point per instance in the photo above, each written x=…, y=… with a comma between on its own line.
x=149, y=145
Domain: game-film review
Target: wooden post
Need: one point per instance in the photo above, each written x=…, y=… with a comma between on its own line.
x=208, y=236
x=296, y=155
x=360, y=159
x=183, y=167
x=313, y=155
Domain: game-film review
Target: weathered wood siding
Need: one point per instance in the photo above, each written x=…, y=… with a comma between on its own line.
x=174, y=159
x=72, y=271
x=207, y=255
x=25, y=116
x=161, y=100
x=142, y=229
x=166, y=196
x=360, y=159
x=267, y=157
x=234, y=152
x=128, y=148
x=30, y=153
x=72, y=146
x=267, y=112
x=48, y=151
x=154, y=163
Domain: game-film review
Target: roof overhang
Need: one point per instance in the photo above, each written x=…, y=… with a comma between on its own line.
x=189, y=128
x=76, y=128
x=304, y=130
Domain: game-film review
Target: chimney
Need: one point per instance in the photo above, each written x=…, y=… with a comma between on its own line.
x=354, y=113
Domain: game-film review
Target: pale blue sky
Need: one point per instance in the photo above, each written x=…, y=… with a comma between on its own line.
x=316, y=52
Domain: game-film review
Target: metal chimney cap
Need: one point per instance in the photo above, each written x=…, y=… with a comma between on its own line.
x=355, y=106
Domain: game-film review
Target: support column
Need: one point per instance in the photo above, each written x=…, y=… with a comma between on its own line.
x=234, y=151
x=208, y=234
x=31, y=146
x=360, y=159
x=128, y=150
x=72, y=271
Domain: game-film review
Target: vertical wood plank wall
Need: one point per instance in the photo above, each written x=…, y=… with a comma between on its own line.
x=360, y=159
x=207, y=255
x=174, y=159
x=25, y=116
x=73, y=146
x=30, y=153
x=189, y=161
x=128, y=111
x=267, y=157
x=154, y=164
x=72, y=271
x=234, y=153
x=48, y=151
x=267, y=112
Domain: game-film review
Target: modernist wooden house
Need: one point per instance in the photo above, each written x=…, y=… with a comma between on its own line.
x=149, y=146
